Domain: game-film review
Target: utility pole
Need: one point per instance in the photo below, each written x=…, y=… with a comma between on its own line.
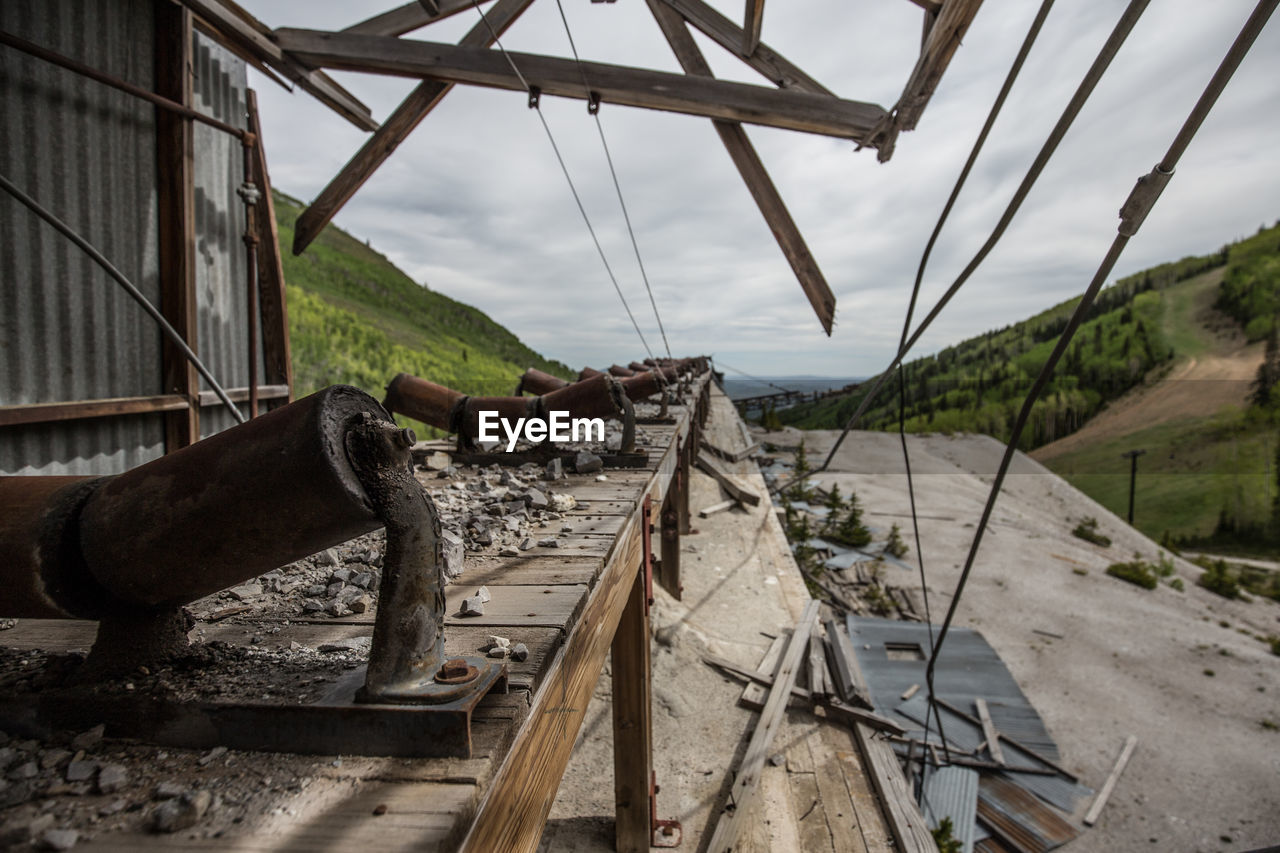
x=1132, y=456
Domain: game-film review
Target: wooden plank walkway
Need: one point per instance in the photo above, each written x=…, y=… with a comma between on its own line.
x=565, y=604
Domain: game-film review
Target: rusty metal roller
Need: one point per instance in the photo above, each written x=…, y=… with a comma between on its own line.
x=424, y=401
x=534, y=381
x=232, y=506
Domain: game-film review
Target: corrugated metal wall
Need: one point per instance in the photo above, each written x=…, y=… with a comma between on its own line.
x=219, y=87
x=88, y=153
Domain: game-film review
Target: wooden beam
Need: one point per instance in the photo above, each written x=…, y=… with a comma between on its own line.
x=752, y=25
x=74, y=410
x=107, y=407
x=754, y=175
x=776, y=68
x=515, y=808
x=632, y=724
x=175, y=234
x=745, y=784
x=735, y=489
x=276, y=351
x=989, y=731
x=234, y=25
x=1101, y=800
x=635, y=87
x=377, y=148
x=944, y=37
x=409, y=17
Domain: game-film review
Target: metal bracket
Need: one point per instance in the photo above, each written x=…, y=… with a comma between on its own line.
x=646, y=544
x=663, y=833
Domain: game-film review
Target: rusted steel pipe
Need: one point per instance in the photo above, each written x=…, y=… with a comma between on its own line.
x=233, y=506
x=601, y=396
x=534, y=381
x=423, y=401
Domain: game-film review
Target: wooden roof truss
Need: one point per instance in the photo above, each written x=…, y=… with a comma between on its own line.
x=794, y=101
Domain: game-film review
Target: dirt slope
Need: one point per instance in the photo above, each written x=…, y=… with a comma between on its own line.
x=1186, y=672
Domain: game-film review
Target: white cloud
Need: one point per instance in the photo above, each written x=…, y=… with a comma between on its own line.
x=473, y=203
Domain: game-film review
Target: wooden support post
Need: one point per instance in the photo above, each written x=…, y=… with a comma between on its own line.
x=669, y=573
x=754, y=175
x=632, y=724
x=276, y=351
x=378, y=147
x=176, y=220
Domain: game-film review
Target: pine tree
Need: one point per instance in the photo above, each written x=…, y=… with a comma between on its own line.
x=834, y=504
x=851, y=530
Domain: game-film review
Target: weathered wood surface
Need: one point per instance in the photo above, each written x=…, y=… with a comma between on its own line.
x=635, y=87
x=745, y=784
x=563, y=607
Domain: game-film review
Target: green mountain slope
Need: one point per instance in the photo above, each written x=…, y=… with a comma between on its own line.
x=355, y=318
x=1166, y=363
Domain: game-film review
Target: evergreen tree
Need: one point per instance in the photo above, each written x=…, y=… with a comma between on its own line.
x=852, y=531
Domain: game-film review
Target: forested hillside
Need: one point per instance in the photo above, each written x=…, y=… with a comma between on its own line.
x=355, y=318
x=1135, y=327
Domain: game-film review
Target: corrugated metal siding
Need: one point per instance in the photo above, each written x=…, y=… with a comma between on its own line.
x=87, y=153
x=219, y=87
x=952, y=792
x=967, y=668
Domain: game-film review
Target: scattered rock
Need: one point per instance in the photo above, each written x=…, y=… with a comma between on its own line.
x=212, y=755
x=437, y=461
x=168, y=790
x=181, y=812
x=22, y=828
x=587, y=463
x=453, y=551
x=111, y=778
x=58, y=839
x=81, y=771
x=246, y=591
x=519, y=652
x=473, y=606
x=51, y=758
x=89, y=739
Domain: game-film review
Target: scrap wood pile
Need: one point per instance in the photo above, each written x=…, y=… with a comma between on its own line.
x=976, y=757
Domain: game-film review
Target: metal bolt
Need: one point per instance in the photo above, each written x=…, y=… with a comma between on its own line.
x=455, y=668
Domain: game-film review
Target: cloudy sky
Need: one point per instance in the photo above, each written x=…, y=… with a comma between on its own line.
x=474, y=204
